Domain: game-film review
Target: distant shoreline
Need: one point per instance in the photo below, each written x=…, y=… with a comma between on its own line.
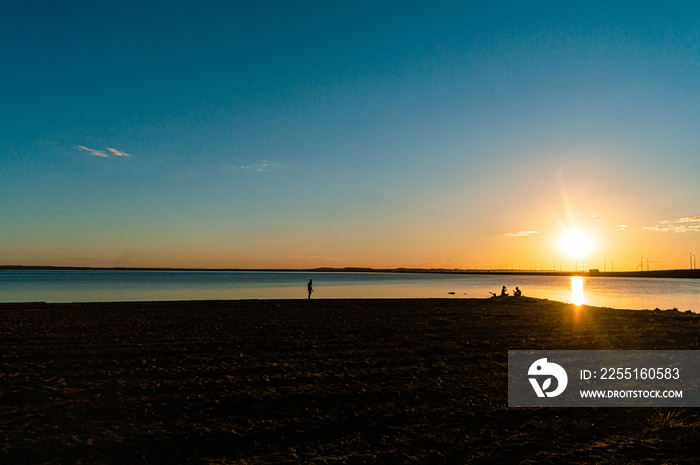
x=682, y=273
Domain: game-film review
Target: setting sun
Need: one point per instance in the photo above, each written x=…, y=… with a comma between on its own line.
x=576, y=243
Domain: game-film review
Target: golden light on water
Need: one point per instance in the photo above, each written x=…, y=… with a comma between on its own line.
x=577, y=290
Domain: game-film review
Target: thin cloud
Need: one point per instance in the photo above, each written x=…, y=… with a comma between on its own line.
x=117, y=152
x=96, y=153
x=102, y=154
x=522, y=233
x=681, y=225
x=261, y=167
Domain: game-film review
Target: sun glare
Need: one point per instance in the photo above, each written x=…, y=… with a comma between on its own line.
x=577, y=290
x=576, y=243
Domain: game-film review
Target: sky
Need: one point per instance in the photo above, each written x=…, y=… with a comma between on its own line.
x=272, y=134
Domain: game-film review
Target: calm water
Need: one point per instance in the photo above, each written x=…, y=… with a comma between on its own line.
x=92, y=286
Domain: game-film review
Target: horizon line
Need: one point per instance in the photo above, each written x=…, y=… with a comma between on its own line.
x=677, y=273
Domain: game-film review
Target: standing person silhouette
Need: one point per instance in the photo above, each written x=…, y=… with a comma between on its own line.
x=310, y=287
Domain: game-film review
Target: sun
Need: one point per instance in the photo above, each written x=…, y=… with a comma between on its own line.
x=576, y=243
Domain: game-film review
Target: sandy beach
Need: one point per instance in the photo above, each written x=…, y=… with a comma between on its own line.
x=319, y=381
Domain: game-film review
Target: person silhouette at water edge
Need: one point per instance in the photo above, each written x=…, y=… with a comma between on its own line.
x=310, y=287
x=517, y=292
x=504, y=292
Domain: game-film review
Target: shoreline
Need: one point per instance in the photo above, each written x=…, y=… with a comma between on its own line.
x=676, y=274
x=510, y=300
x=319, y=381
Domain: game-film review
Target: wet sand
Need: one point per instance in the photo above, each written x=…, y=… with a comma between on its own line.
x=320, y=381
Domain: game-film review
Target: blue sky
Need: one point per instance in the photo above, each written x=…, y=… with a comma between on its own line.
x=285, y=134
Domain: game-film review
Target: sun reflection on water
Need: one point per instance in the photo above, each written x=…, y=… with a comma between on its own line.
x=577, y=290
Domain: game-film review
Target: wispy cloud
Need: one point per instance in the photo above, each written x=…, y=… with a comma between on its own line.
x=681, y=225
x=260, y=167
x=117, y=152
x=102, y=154
x=96, y=153
x=522, y=233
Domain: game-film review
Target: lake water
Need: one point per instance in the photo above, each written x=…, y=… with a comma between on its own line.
x=109, y=285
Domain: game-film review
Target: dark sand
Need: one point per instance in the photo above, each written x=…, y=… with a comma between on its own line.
x=320, y=381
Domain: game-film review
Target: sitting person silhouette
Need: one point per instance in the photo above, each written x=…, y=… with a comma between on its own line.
x=517, y=292
x=504, y=292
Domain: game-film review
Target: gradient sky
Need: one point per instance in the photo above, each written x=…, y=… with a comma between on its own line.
x=383, y=134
